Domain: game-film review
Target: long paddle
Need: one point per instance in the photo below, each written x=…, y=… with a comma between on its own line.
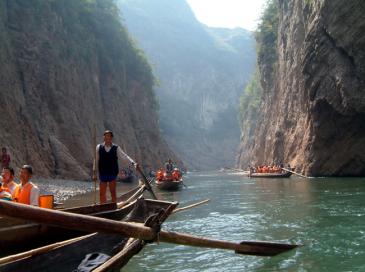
x=291, y=171
x=191, y=206
x=145, y=181
x=94, y=224
x=94, y=162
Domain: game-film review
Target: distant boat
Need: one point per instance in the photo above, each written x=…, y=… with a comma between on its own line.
x=127, y=176
x=270, y=175
x=169, y=182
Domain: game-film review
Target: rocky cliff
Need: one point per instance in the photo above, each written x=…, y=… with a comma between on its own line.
x=312, y=112
x=67, y=66
x=202, y=72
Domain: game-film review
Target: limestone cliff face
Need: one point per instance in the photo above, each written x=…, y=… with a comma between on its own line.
x=312, y=113
x=61, y=74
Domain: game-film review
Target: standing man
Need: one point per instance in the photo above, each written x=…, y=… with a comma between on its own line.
x=9, y=183
x=169, y=166
x=28, y=193
x=5, y=158
x=107, y=155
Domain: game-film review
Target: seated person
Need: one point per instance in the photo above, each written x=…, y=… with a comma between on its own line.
x=8, y=181
x=4, y=193
x=28, y=193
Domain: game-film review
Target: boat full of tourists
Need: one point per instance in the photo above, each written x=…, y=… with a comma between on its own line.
x=269, y=172
x=169, y=180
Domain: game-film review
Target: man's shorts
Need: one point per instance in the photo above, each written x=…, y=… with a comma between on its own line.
x=107, y=178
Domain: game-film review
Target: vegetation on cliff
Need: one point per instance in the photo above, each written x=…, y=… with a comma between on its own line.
x=315, y=75
x=267, y=33
x=67, y=66
x=89, y=26
x=266, y=46
x=251, y=98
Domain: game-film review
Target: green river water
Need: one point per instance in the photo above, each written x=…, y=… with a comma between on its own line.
x=326, y=215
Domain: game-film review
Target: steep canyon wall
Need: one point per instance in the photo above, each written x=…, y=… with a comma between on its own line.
x=312, y=112
x=67, y=66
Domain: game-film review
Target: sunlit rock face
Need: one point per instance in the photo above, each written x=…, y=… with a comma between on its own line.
x=56, y=85
x=202, y=72
x=313, y=108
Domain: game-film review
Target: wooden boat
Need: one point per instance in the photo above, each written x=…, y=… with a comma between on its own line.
x=169, y=181
x=111, y=250
x=285, y=174
x=127, y=179
x=18, y=235
x=119, y=241
x=127, y=176
x=168, y=185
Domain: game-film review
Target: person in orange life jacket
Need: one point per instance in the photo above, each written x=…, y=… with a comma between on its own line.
x=9, y=183
x=107, y=160
x=4, y=193
x=28, y=193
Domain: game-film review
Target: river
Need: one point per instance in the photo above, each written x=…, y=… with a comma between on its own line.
x=326, y=215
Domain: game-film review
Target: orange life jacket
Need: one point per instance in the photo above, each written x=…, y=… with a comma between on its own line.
x=176, y=174
x=24, y=193
x=159, y=175
x=13, y=188
x=5, y=194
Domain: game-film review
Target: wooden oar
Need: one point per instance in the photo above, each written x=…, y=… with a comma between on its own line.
x=94, y=162
x=41, y=250
x=145, y=181
x=300, y=175
x=94, y=224
x=191, y=206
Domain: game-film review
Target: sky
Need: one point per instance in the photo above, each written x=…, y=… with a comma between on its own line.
x=228, y=13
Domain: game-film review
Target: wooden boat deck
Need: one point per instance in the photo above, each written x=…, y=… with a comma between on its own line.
x=18, y=235
x=68, y=257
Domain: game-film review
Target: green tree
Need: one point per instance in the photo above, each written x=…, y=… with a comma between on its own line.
x=251, y=98
x=267, y=33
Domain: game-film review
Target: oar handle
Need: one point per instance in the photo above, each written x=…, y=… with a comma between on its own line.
x=291, y=171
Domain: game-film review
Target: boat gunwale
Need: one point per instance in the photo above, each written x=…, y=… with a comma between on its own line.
x=270, y=175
